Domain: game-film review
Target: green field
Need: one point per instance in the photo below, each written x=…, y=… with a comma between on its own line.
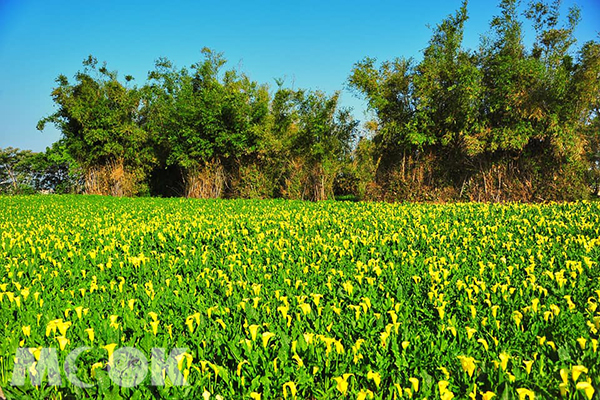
x=283, y=299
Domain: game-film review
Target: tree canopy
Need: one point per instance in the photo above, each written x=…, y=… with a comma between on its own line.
x=500, y=122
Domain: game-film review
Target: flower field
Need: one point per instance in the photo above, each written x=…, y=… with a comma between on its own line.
x=282, y=300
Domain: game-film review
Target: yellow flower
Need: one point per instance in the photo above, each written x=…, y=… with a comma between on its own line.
x=26, y=330
x=189, y=321
x=398, y=388
x=298, y=360
x=308, y=337
x=445, y=393
x=266, y=337
x=564, y=374
x=569, y=302
x=528, y=365
x=518, y=317
x=415, y=384
x=316, y=298
x=63, y=326
x=582, y=342
x=470, y=332
x=305, y=307
x=504, y=360
x=495, y=311
x=541, y=340
x=113, y=321
x=189, y=358
x=283, y=310
x=90, y=332
x=525, y=393
x=253, y=331
x=534, y=304
x=564, y=389
x=51, y=326
x=468, y=364
x=487, y=395
x=239, y=367
x=94, y=367
x=153, y=315
x=473, y=311
x=443, y=386
x=484, y=343
x=578, y=370
x=36, y=352
x=375, y=376
x=445, y=372
x=363, y=394
x=447, y=396
x=78, y=311
x=255, y=396
x=154, y=325
x=292, y=387
x=587, y=388
x=342, y=383
x=110, y=348
x=441, y=311
x=62, y=341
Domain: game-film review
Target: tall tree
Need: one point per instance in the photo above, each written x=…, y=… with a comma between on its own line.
x=468, y=119
x=322, y=140
x=98, y=117
x=204, y=120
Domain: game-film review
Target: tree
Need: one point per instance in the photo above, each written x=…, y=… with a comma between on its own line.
x=204, y=121
x=321, y=141
x=98, y=117
x=16, y=175
x=502, y=122
x=57, y=171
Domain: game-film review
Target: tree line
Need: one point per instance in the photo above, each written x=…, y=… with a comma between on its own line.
x=502, y=122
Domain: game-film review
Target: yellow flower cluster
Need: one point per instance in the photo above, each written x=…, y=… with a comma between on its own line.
x=276, y=299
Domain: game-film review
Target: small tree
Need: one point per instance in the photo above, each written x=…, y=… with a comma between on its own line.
x=16, y=171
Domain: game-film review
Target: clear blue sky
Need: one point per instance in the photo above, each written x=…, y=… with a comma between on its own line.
x=313, y=44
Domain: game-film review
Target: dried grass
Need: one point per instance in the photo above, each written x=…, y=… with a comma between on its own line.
x=206, y=182
x=112, y=179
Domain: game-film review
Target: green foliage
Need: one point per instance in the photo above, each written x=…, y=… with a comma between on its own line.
x=15, y=170
x=25, y=172
x=200, y=115
x=469, y=112
x=464, y=299
x=99, y=118
x=497, y=123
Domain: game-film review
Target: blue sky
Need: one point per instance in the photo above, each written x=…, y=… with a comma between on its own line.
x=312, y=44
